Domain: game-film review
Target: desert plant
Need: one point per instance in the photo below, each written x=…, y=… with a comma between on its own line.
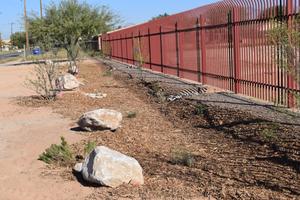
x=200, y=109
x=285, y=38
x=42, y=79
x=57, y=153
x=139, y=57
x=131, y=114
x=269, y=133
x=182, y=157
x=89, y=147
x=107, y=73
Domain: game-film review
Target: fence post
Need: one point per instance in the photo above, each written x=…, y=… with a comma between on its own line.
x=230, y=51
x=161, y=50
x=149, y=45
x=121, y=48
x=291, y=98
x=141, y=57
x=177, y=48
x=236, y=51
x=203, y=49
x=133, y=59
x=111, y=47
x=126, y=46
x=198, y=50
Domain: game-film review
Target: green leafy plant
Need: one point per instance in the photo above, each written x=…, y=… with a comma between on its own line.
x=69, y=24
x=269, y=133
x=200, y=109
x=89, y=147
x=182, y=157
x=57, y=153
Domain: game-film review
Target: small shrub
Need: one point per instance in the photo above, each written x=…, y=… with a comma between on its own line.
x=182, y=157
x=131, y=114
x=107, y=73
x=200, y=109
x=43, y=79
x=269, y=133
x=89, y=147
x=57, y=153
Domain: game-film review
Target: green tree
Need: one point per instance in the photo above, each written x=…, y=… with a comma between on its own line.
x=160, y=16
x=70, y=23
x=18, y=39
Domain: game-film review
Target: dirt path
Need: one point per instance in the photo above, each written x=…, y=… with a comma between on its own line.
x=24, y=134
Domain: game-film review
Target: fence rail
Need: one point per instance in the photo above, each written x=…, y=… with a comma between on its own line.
x=224, y=44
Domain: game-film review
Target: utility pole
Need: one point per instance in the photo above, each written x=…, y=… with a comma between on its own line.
x=0, y=42
x=41, y=8
x=26, y=26
x=11, y=28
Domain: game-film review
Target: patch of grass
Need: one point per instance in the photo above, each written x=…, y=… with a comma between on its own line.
x=200, y=109
x=57, y=153
x=131, y=114
x=269, y=133
x=89, y=147
x=182, y=157
x=107, y=73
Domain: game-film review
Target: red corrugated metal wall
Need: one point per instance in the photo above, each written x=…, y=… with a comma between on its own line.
x=224, y=44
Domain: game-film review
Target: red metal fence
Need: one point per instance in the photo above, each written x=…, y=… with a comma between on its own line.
x=224, y=44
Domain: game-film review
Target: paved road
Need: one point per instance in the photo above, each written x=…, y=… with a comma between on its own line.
x=10, y=55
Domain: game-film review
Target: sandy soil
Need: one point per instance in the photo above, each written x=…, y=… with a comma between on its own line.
x=24, y=133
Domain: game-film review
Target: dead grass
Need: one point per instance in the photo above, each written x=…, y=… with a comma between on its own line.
x=222, y=167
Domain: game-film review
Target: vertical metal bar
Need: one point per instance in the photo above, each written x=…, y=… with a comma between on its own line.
x=198, y=50
x=140, y=49
x=237, y=53
x=121, y=39
x=203, y=49
x=149, y=46
x=161, y=50
x=290, y=84
x=133, y=49
x=231, y=63
x=177, y=48
x=126, y=40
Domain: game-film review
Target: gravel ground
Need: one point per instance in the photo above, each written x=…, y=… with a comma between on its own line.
x=187, y=150
x=214, y=96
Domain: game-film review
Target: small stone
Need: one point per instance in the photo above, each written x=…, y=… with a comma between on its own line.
x=96, y=95
x=67, y=82
x=101, y=119
x=78, y=167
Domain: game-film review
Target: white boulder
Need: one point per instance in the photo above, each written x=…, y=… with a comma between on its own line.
x=110, y=168
x=100, y=119
x=67, y=82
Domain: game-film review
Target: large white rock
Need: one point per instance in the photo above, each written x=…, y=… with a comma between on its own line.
x=111, y=168
x=67, y=82
x=100, y=119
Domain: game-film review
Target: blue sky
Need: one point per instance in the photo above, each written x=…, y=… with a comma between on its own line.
x=131, y=11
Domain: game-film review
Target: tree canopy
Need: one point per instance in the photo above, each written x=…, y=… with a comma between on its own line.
x=68, y=23
x=160, y=16
x=18, y=39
